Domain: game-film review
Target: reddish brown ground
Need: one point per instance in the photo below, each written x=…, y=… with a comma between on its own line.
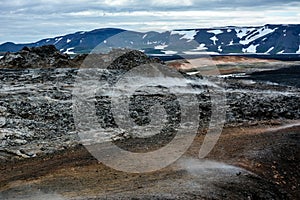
x=238, y=59
x=225, y=64
x=272, y=154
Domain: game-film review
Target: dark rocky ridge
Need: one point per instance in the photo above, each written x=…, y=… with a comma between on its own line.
x=49, y=57
x=289, y=76
x=37, y=57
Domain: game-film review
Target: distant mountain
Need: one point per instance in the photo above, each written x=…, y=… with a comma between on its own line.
x=267, y=39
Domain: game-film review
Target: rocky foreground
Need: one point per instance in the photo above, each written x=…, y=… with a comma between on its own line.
x=37, y=123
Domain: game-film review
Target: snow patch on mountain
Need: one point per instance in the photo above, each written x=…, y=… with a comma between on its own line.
x=241, y=32
x=151, y=43
x=170, y=52
x=200, y=53
x=257, y=34
x=231, y=43
x=298, y=50
x=144, y=36
x=216, y=32
x=57, y=40
x=269, y=50
x=163, y=46
x=250, y=49
x=68, y=41
x=189, y=35
x=281, y=52
x=214, y=39
x=68, y=51
x=201, y=47
x=220, y=48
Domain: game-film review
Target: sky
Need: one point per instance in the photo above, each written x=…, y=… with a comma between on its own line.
x=24, y=21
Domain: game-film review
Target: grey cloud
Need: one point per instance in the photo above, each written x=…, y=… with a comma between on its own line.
x=55, y=6
x=28, y=20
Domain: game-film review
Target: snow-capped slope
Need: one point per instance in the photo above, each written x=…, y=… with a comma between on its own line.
x=189, y=35
x=268, y=39
x=254, y=35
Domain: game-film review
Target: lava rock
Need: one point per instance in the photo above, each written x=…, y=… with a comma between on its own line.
x=37, y=57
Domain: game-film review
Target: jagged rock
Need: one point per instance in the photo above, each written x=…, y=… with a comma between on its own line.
x=2, y=116
x=37, y=109
x=129, y=59
x=37, y=57
x=2, y=121
x=49, y=57
x=2, y=110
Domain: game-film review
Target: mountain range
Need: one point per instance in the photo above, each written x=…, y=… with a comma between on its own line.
x=267, y=39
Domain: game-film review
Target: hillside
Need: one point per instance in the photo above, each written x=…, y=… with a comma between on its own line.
x=267, y=39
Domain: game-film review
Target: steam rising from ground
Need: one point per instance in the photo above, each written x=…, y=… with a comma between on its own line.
x=207, y=169
x=26, y=193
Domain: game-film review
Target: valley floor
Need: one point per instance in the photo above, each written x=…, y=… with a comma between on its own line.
x=249, y=162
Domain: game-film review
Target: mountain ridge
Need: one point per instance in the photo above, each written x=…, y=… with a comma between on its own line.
x=267, y=39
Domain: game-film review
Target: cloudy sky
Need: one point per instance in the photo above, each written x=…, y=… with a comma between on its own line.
x=31, y=20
